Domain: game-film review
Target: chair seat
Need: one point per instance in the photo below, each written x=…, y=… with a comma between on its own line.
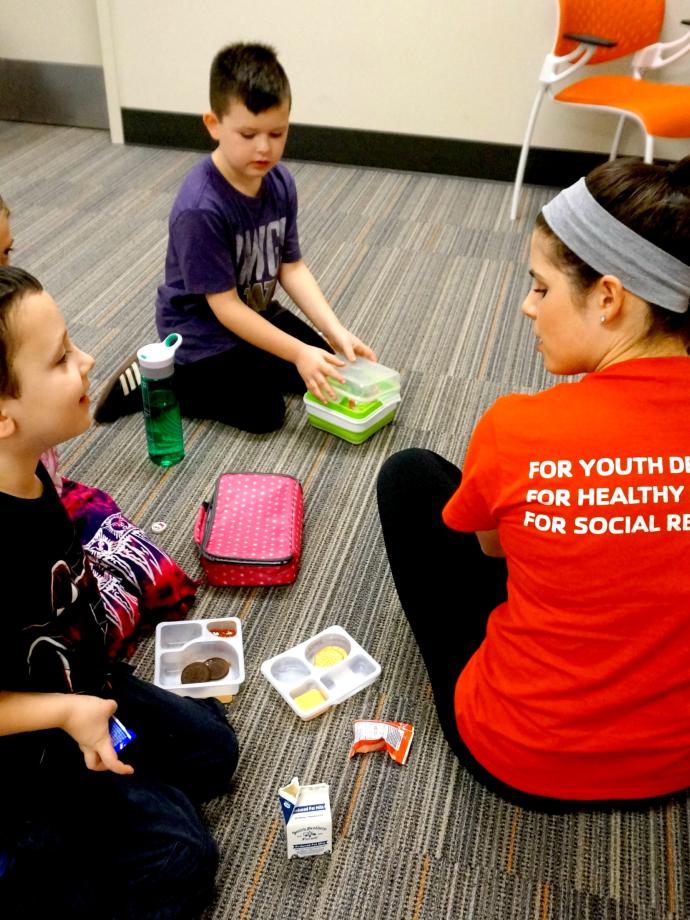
x=664, y=109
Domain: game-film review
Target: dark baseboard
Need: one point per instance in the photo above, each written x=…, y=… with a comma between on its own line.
x=53, y=94
x=417, y=153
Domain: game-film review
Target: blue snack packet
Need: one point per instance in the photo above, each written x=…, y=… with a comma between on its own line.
x=119, y=735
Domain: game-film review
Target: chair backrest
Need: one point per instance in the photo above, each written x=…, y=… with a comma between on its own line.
x=633, y=24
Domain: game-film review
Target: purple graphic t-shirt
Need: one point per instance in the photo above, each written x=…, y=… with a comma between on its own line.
x=220, y=239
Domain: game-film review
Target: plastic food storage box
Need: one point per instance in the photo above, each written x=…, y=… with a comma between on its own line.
x=186, y=641
x=365, y=402
x=321, y=672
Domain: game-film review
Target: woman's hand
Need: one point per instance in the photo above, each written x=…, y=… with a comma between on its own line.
x=86, y=721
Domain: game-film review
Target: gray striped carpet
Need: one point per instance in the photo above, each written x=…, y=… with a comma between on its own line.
x=430, y=272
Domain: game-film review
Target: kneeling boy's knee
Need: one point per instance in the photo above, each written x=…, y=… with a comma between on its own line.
x=266, y=419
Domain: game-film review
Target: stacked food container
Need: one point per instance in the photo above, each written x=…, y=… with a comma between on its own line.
x=365, y=402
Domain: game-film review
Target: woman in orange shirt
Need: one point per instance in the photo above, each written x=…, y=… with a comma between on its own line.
x=559, y=662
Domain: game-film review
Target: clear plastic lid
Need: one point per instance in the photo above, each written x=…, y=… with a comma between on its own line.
x=352, y=406
x=365, y=379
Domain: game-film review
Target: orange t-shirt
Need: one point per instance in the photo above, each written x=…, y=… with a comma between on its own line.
x=581, y=689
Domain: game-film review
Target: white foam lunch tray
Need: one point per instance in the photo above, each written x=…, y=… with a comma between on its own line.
x=293, y=672
x=179, y=643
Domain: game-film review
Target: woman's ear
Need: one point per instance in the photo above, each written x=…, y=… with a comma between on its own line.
x=7, y=423
x=610, y=297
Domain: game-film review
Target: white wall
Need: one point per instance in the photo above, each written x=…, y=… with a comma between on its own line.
x=448, y=68
x=55, y=31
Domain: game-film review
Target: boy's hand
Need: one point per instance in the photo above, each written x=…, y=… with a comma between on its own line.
x=87, y=722
x=348, y=344
x=315, y=365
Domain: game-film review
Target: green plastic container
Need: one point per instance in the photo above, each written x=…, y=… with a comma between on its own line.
x=351, y=424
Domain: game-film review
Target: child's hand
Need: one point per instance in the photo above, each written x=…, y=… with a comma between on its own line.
x=87, y=722
x=348, y=344
x=315, y=365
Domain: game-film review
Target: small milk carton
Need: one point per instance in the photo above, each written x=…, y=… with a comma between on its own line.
x=307, y=814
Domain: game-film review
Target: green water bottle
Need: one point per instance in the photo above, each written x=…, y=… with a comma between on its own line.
x=161, y=408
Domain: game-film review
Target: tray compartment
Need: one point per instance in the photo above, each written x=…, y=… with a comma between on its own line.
x=309, y=696
x=324, y=641
x=223, y=623
x=348, y=674
x=289, y=670
x=175, y=635
x=172, y=663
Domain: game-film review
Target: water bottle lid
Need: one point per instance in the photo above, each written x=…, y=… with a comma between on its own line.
x=158, y=355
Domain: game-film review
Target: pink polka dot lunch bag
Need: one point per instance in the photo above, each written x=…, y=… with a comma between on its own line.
x=250, y=532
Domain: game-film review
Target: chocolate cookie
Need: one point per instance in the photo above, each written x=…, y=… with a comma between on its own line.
x=195, y=673
x=217, y=667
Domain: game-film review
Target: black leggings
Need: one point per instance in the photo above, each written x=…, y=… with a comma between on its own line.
x=442, y=576
x=244, y=386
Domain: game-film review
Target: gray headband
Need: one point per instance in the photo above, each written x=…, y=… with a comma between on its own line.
x=611, y=248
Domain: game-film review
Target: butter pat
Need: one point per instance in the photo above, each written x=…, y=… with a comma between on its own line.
x=307, y=814
x=310, y=699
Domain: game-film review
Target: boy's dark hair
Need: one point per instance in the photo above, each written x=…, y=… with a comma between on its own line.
x=652, y=200
x=15, y=284
x=249, y=73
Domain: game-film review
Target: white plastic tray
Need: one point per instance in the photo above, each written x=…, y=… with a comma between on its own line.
x=181, y=642
x=294, y=673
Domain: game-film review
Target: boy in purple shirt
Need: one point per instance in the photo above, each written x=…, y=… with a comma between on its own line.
x=232, y=238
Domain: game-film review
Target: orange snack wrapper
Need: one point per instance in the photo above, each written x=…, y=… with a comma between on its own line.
x=378, y=735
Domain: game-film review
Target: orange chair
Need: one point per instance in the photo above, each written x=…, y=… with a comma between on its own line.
x=594, y=31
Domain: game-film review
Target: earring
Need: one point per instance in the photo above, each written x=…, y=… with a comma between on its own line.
x=602, y=318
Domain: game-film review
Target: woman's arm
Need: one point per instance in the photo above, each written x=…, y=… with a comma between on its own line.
x=490, y=543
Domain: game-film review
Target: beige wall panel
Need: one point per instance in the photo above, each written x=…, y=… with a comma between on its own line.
x=53, y=31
